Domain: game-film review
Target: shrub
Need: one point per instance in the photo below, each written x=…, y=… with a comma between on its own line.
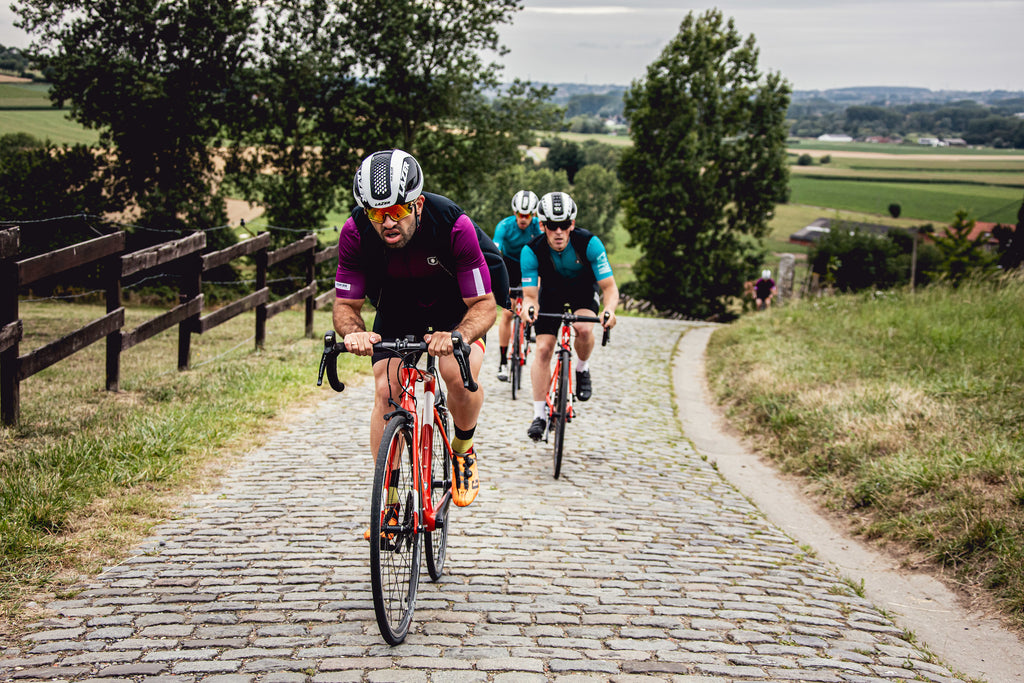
x=804, y=160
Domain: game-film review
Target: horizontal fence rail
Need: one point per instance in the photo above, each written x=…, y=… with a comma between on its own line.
x=115, y=266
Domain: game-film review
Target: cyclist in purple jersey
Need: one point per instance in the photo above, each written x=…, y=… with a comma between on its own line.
x=416, y=256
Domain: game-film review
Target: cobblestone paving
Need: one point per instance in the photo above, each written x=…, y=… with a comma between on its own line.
x=639, y=563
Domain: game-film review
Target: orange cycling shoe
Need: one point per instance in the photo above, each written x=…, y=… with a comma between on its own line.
x=390, y=518
x=467, y=484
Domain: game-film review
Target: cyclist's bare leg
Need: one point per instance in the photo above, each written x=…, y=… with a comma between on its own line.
x=505, y=329
x=584, y=344
x=540, y=373
x=385, y=378
x=463, y=404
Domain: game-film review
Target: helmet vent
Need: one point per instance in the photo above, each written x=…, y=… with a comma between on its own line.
x=380, y=172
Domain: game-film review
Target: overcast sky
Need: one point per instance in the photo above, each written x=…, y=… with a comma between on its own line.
x=816, y=44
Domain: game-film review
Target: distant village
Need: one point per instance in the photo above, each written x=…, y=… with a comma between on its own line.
x=894, y=140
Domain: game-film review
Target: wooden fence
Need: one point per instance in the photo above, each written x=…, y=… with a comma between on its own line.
x=108, y=254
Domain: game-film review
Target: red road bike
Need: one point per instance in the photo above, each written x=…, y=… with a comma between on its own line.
x=519, y=348
x=560, y=391
x=412, y=480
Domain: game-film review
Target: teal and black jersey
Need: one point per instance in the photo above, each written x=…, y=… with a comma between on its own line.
x=511, y=239
x=584, y=259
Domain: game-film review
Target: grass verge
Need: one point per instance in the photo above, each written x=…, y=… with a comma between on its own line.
x=905, y=410
x=88, y=472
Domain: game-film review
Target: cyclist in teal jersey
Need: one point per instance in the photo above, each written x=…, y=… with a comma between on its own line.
x=565, y=265
x=510, y=236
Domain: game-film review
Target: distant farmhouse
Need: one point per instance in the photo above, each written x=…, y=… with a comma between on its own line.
x=834, y=137
x=810, y=234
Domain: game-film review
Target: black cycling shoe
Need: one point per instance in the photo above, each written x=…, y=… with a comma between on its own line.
x=583, y=387
x=536, y=430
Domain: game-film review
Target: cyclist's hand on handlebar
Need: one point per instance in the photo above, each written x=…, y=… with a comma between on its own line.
x=439, y=343
x=529, y=315
x=609, y=323
x=361, y=343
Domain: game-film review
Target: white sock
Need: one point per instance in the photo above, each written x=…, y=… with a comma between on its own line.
x=540, y=409
x=582, y=366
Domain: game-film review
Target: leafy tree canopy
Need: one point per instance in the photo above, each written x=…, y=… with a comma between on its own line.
x=706, y=168
x=300, y=89
x=152, y=77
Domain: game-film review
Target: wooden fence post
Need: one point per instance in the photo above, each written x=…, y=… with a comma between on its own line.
x=310, y=262
x=261, y=281
x=191, y=287
x=10, y=326
x=111, y=274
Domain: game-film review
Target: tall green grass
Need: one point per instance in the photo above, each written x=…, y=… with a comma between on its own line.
x=87, y=471
x=906, y=410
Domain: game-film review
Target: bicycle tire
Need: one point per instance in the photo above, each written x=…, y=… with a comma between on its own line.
x=514, y=365
x=436, y=541
x=395, y=553
x=560, y=416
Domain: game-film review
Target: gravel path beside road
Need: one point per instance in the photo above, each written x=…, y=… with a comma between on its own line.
x=640, y=563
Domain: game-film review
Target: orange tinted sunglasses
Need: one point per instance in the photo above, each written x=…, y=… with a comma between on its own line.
x=397, y=212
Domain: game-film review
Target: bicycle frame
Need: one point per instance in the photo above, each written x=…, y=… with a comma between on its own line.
x=423, y=438
x=563, y=354
x=404, y=468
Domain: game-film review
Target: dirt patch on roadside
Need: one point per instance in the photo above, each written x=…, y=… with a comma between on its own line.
x=239, y=210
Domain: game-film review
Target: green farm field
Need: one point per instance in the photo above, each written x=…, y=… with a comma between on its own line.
x=932, y=202
x=46, y=124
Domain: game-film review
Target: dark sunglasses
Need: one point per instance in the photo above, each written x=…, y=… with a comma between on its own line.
x=560, y=225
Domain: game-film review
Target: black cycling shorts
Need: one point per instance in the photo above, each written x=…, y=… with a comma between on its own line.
x=577, y=295
x=515, y=273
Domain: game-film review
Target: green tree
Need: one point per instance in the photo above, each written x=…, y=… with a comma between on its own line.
x=425, y=76
x=565, y=155
x=152, y=77
x=295, y=125
x=603, y=154
x=490, y=201
x=596, y=193
x=962, y=254
x=707, y=166
x=1011, y=242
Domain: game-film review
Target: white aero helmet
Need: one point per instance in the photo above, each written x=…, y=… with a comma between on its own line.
x=524, y=201
x=387, y=178
x=766, y=274
x=556, y=207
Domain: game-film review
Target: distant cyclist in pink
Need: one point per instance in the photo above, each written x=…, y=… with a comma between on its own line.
x=417, y=257
x=764, y=290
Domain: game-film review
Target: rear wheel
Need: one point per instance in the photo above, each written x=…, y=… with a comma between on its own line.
x=394, y=541
x=560, y=416
x=436, y=541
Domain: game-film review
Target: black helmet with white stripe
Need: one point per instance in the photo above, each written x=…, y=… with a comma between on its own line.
x=524, y=201
x=387, y=178
x=556, y=207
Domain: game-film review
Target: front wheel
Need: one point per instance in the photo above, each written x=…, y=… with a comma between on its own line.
x=394, y=541
x=558, y=419
x=436, y=541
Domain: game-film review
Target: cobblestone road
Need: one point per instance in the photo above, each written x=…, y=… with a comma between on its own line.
x=639, y=563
